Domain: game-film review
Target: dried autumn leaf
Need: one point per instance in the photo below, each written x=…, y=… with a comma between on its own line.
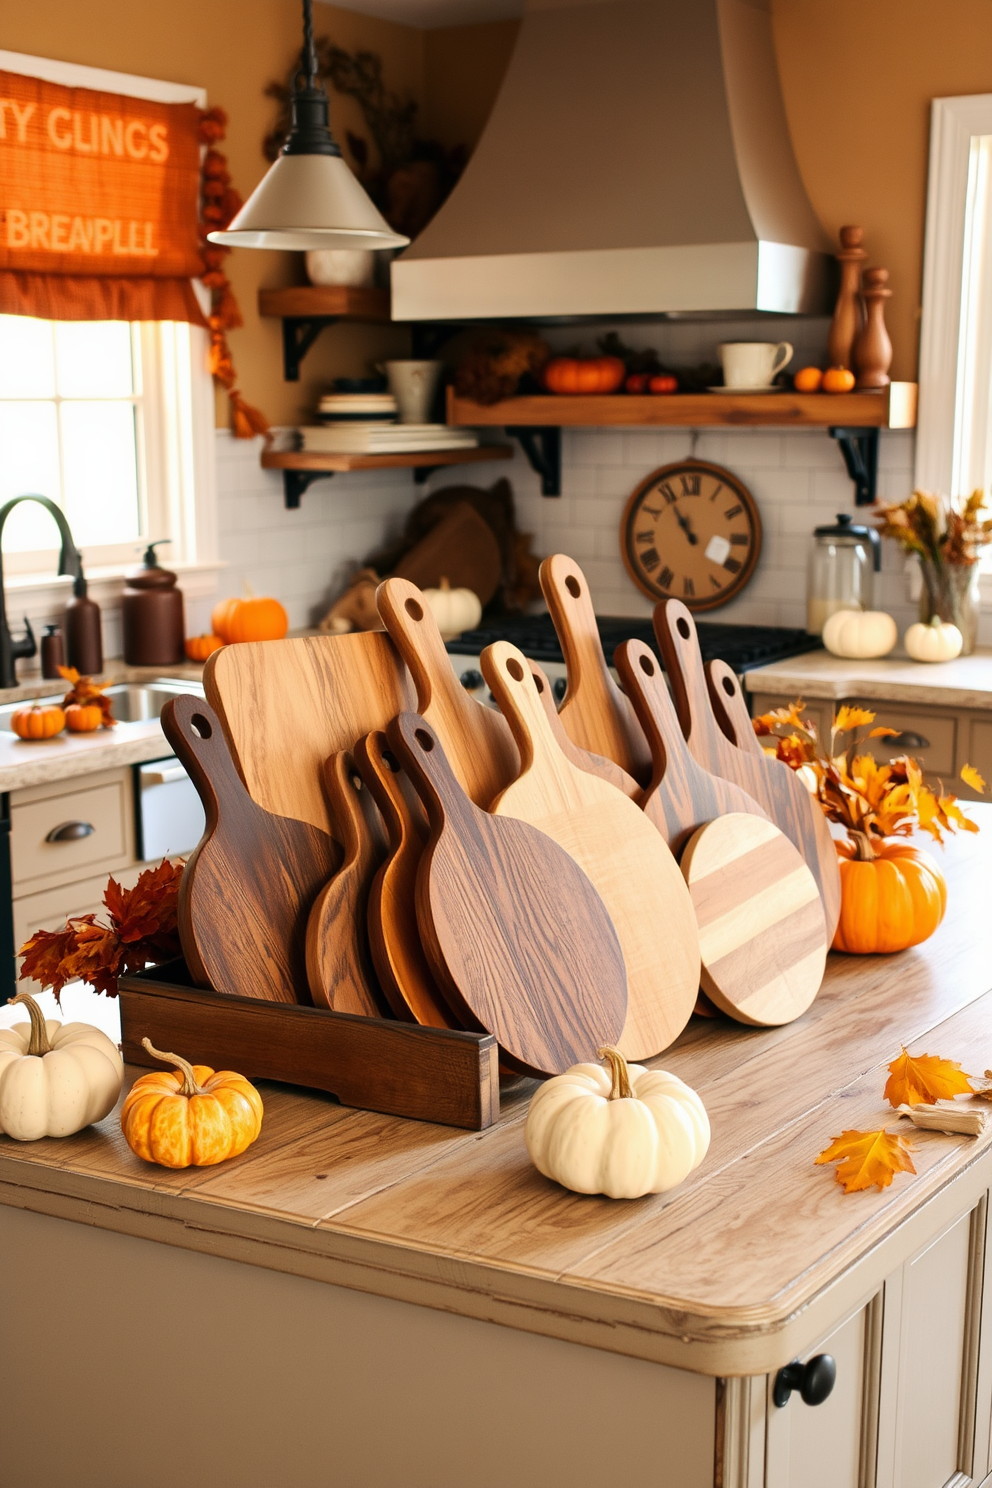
x=971, y=777
x=868, y=1159
x=883, y=733
x=44, y=956
x=848, y=718
x=924, y=1079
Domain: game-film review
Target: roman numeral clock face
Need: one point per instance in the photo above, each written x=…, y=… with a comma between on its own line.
x=691, y=531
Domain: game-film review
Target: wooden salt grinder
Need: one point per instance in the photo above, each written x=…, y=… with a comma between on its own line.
x=848, y=313
x=873, y=349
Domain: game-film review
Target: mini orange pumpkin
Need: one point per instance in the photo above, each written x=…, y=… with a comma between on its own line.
x=191, y=1115
x=38, y=722
x=198, y=648
x=837, y=380
x=250, y=619
x=892, y=896
x=83, y=718
x=584, y=374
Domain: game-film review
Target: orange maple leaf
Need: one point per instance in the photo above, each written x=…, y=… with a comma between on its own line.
x=923, y=1080
x=971, y=777
x=868, y=1159
x=848, y=718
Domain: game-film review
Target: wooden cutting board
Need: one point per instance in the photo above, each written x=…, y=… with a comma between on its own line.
x=287, y=706
x=682, y=796
x=772, y=784
x=515, y=933
x=462, y=548
x=594, y=764
x=762, y=933
x=595, y=714
x=622, y=853
x=339, y=967
x=476, y=740
x=247, y=890
x=394, y=936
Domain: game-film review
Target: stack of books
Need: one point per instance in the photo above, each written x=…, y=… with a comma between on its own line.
x=384, y=439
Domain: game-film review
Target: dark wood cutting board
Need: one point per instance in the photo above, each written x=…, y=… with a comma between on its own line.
x=247, y=890
x=772, y=784
x=518, y=938
x=339, y=967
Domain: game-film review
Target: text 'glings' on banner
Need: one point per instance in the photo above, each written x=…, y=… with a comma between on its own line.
x=96, y=183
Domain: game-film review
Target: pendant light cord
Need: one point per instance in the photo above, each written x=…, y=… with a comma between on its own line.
x=309, y=56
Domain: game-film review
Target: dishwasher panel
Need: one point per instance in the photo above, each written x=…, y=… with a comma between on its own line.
x=170, y=816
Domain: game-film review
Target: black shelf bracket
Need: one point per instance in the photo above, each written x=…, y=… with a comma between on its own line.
x=542, y=446
x=860, y=450
x=299, y=332
x=295, y=482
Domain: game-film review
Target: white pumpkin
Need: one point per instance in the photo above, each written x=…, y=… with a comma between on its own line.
x=55, y=1078
x=859, y=634
x=454, y=610
x=938, y=641
x=624, y=1133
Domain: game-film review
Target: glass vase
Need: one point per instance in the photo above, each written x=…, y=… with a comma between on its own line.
x=950, y=591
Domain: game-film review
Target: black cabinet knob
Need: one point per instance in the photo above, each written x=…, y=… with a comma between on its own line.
x=814, y=1380
x=560, y=688
x=471, y=679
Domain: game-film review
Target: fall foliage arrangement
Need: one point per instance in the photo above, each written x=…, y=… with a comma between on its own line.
x=936, y=528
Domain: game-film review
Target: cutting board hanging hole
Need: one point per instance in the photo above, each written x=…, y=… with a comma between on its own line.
x=200, y=726
x=414, y=610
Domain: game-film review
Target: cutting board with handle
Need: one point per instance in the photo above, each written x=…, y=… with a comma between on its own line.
x=594, y=764
x=622, y=853
x=247, y=890
x=394, y=936
x=476, y=740
x=595, y=714
x=682, y=796
x=772, y=784
x=287, y=706
x=762, y=932
x=339, y=967
x=514, y=931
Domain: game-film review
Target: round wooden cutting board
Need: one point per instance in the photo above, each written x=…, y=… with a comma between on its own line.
x=762, y=932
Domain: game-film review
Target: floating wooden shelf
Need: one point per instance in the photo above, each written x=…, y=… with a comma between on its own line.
x=853, y=419
x=306, y=309
x=895, y=408
x=301, y=467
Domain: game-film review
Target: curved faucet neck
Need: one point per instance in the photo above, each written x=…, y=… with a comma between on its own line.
x=70, y=559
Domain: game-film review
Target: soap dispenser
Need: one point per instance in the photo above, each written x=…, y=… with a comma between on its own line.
x=152, y=613
x=83, y=630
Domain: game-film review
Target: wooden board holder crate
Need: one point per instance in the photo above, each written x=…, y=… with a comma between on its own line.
x=401, y=1069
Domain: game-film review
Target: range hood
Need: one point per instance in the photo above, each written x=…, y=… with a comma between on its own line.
x=637, y=162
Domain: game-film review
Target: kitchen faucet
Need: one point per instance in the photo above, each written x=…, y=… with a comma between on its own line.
x=70, y=562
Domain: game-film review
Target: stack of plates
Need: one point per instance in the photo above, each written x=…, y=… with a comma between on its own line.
x=347, y=408
x=384, y=439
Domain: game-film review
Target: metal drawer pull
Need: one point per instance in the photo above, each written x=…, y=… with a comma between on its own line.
x=72, y=831
x=907, y=740
x=814, y=1380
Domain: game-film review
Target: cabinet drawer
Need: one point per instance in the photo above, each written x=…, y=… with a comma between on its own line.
x=95, y=823
x=937, y=732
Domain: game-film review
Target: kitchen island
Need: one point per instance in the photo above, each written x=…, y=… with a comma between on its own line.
x=360, y=1299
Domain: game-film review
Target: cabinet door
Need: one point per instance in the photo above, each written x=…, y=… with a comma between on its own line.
x=928, y=1399
x=829, y=1445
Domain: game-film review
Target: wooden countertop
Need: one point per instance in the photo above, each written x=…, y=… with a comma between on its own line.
x=964, y=683
x=733, y=1273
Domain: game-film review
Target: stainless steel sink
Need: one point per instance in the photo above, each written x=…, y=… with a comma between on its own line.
x=132, y=702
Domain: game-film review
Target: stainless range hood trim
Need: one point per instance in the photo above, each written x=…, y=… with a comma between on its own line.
x=717, y=277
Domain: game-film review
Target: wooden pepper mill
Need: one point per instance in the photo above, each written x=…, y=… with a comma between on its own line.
x=848, y=312
x=873, y=349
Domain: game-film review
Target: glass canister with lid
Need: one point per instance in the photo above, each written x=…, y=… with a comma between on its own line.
x=843, y=562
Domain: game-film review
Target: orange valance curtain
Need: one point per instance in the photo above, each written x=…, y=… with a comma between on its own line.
x=99, y=199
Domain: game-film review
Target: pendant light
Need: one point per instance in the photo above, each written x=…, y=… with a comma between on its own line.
x=309, y=198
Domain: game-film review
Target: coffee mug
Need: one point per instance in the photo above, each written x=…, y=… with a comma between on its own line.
x=413, y=385
x=753, y=364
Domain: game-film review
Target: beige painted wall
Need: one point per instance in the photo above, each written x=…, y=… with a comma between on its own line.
x=858, y=77
x=463, y=68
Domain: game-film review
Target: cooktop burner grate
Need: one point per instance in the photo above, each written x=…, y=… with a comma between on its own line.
x=740, y=646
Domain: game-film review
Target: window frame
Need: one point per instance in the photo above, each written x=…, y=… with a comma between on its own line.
x=176, y=458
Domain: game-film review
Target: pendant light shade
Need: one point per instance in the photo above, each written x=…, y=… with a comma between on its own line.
x=309, y=198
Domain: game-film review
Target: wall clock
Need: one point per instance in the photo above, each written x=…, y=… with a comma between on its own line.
x=691, y=531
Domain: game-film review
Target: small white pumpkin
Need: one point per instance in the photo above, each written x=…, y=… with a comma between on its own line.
x=55, y=1078
x=454, y=610
x=623, y=1133
x=938, y=641
x=860, y=634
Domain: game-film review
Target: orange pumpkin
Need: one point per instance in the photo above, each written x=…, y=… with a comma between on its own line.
x=191, y=1115
x=198, y=648
x=892, y=896
x=584, y=374
x=83, y=718
x=837, y=380
x=38, y=722
x=250, y=619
